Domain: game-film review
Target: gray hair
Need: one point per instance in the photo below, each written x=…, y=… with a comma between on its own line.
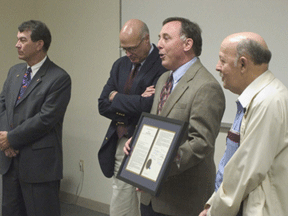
x=258, y=54
x=144, y=31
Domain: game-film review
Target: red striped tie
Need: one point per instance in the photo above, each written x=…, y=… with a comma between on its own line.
x=166, y=90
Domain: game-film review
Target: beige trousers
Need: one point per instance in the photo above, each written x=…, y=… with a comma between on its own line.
x=125, y=199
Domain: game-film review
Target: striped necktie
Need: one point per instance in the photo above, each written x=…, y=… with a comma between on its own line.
x=165, y=92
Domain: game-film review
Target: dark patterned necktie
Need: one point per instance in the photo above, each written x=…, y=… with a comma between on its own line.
x=25, y=83
x=122, y=129
x=166, y=90
x=131, y=78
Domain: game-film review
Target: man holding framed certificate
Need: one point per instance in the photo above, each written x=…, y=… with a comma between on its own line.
x=189, y=93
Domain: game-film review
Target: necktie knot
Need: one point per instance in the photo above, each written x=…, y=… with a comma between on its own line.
x=169, y=83
x=28, y=74
x=135, y=69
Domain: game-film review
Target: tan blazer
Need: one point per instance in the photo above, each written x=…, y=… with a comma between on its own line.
x=257, y=173
x=198, y=99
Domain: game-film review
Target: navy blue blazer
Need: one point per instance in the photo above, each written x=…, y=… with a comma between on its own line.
x=125, y=108
x=34, y=125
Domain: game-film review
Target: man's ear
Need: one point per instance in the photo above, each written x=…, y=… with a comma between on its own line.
x=188, y=44
x=243, y=63
x=147, y=37
x=40, y=45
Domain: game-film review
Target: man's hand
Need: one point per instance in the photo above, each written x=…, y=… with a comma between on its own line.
x=4, y=143
x=10, y=152
x=126, y=148
x=112, y=95
x=150, y=90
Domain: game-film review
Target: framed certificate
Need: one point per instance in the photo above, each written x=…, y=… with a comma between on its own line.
x=153, y=147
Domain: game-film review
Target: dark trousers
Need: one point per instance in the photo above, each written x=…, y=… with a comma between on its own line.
x=148, y=211
x=28, y=199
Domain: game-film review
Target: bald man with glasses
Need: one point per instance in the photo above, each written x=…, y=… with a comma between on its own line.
x=128, y=92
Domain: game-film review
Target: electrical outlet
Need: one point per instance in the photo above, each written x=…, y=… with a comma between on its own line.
x=81, y=165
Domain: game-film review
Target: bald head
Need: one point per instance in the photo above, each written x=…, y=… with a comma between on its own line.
x=237, y=37
x=133, y=31
x=135, y=40
x=242, y=58
x=251, y=45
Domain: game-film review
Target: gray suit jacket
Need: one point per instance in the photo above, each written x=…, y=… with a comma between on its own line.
x=34, y=125
x=198, y=99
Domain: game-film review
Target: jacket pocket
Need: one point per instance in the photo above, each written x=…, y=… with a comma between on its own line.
x=48, y=141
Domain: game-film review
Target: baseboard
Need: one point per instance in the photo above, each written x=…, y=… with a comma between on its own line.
x=84, y=202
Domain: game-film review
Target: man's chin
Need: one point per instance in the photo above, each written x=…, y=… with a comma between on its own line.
x=164, y=64
x=134, y=60
x=21, y=57
x=225, y=86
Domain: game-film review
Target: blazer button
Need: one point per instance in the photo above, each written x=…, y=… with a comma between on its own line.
x=106, y=138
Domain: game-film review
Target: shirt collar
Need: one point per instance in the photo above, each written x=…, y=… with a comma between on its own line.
x=36, y=67
x=254, y=87
x=150, y=51
x=179, y=72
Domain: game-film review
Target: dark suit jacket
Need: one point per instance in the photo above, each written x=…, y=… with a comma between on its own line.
x=34, y=125
x=125, y=108
x=198, y=99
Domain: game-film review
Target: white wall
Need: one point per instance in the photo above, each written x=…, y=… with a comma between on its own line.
x=217, y=20
x=85, y=43
x=12, y=13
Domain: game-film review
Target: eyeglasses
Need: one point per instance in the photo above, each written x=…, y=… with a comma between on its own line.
x=131, y=49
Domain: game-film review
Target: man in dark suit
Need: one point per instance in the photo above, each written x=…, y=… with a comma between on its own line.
x=33, y=102
x=122, y=100
x=196, y=97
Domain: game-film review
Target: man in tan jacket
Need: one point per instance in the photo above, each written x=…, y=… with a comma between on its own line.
x=254, y=180
x=195, y=97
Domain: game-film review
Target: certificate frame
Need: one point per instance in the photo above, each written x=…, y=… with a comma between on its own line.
x=154, y=145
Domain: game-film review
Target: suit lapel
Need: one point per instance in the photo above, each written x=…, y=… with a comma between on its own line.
x=180, y=89
x=174, y=96
x=148, y=64
x=159, y=85
x=17, y=85
x=36, y=79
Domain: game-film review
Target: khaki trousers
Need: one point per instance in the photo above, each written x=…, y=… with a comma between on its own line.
x=125, y=199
